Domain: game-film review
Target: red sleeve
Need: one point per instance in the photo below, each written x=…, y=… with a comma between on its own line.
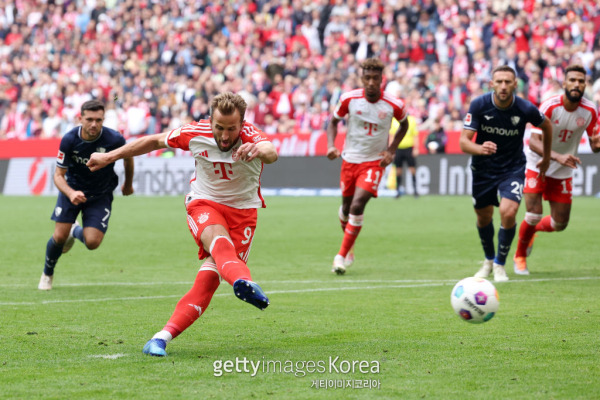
x=342, y=109
x=180, y=138
x=250, y=133
x=400, y=113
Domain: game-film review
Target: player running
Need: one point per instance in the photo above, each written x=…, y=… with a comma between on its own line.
x=499, y=119
x=82, y=191
x=571, y=115
x=366, y=151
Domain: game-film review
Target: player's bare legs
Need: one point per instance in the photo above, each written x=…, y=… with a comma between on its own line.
x=356, y=206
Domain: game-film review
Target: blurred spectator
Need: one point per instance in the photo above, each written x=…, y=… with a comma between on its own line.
x=290, y=59
x=435, y=142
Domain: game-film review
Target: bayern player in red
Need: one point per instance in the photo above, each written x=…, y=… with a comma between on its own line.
x=366, y=150
x=221, y=206
x=571, y=115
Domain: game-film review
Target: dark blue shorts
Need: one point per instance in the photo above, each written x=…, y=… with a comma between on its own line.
x=486, y=189
x=95, y=211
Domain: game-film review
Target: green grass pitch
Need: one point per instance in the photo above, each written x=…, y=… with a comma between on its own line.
x=83, y=339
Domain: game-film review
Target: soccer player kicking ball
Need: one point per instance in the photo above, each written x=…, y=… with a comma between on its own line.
x=499, y=119
x=82, y=191
x=571, y=115
x=366, y=150
x=221, y=206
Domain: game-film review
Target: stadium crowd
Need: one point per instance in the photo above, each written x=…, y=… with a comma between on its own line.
x=157, y=63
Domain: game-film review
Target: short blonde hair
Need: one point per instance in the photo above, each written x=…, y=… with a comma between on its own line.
x=227, y=103
x=374, y=64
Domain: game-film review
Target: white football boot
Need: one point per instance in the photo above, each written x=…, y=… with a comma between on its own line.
x=45, y=282
x=338, y=265
x=485, y=269
x=500, y=273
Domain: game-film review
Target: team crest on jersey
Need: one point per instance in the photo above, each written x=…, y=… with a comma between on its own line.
x=468, y=119
x=515, y=119
x=203, y=218
x=57, y=211
x=532, y=182
x=60, y=157
x=580, y=122
x=100, y=150
x=382, y=115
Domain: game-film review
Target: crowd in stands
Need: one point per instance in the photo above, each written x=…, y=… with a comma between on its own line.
x=157, y=63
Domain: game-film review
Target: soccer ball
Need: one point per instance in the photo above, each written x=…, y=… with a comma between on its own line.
x=475, y=300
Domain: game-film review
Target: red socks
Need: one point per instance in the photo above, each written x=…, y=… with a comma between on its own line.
x=350, y=233
x=194, y=302
x=228, y=263
x=545, y=225
x=526, y=232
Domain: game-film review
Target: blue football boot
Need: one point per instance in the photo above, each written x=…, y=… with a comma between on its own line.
x=155, y=347
x=251, y=293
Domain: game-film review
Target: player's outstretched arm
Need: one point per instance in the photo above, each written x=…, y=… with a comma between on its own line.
x=137, y=147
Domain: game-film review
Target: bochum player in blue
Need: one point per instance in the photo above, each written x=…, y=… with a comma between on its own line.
x=499, y=119
x=81, y=190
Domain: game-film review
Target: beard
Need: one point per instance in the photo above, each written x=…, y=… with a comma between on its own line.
x=572, y=98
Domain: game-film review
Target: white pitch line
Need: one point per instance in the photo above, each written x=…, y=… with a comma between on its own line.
x=327, y=289
x=108, y=356
x=32, y=303
x=341, y=280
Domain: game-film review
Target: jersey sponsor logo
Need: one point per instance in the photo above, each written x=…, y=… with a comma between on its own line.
x=203, y=153
x=468, y=119
x=515, y=119
x=488, y=117
x=100, y=150
x=494, y=130
x=60, y=157
x=79, y=160
x=580, y=122
x=203, y=218
x=223, y=169
x=256, y=139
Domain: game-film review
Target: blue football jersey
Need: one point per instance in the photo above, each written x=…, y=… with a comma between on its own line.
x=74, y=153
x=505, y=127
